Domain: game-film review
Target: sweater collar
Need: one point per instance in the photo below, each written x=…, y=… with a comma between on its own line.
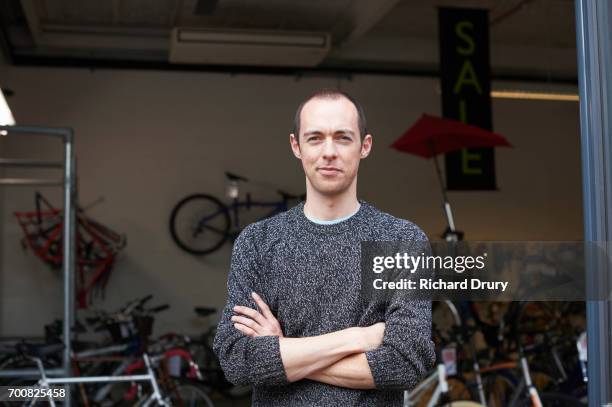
x=349, y=224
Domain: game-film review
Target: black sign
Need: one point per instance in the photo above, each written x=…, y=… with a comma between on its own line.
x=466, y=92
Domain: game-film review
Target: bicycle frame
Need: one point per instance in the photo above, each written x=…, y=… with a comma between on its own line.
x=525, y=381
x=460, y=339
x=236, y=205
x=439, y=375
x=194, y=370
x=45, y=382
x=42, y=231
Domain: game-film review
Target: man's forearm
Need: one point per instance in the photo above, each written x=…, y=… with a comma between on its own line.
x=352, y=372
x=304, y=356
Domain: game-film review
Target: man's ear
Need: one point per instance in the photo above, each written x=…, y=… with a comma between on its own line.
x=295, y=146
x=366, y=146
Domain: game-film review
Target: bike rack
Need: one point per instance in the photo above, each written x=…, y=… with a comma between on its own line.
x=68, y=183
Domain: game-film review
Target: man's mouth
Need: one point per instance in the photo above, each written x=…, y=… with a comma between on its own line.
x=329, y=170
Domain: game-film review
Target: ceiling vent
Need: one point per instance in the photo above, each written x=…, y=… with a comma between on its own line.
x=248, y=47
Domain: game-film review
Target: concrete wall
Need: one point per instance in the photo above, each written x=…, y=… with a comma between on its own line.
x=145, y=139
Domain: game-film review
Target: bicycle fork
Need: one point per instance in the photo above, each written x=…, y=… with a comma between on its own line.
x=477, y=374
x=533, y=392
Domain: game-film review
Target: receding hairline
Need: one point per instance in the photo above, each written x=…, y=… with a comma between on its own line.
x=331, y=94
x=338, y=97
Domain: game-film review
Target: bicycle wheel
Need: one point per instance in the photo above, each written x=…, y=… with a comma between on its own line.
x=210, y=368
x=498, y=387
x=458, y=391
x=200, y=224
x=189, y=394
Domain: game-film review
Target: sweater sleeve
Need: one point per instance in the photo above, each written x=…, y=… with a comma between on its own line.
x=245, y=360
x=407, y=352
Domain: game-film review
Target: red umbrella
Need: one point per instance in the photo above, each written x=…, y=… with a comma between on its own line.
x=431, y=136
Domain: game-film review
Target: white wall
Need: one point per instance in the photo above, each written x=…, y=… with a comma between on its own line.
x=145, y=139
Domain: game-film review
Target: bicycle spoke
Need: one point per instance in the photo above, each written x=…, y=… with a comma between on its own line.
x=211, y=228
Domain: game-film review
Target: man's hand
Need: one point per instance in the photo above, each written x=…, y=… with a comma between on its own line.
x=373, y=336
x=254, y=323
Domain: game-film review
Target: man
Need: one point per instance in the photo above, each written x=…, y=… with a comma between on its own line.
x=295, y=326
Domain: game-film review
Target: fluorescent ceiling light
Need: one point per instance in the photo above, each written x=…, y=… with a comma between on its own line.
x=254, y=38
x=6, y=117
x=529, y=95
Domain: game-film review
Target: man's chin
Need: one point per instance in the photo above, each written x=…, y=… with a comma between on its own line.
x=330, y=189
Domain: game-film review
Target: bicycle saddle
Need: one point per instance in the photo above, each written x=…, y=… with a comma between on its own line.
x=234, y=177
x=40, y=350
x=204, y=311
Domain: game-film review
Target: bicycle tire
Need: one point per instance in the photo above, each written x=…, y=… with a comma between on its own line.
x=499, y=387
x=219, y=211
x=190, y=393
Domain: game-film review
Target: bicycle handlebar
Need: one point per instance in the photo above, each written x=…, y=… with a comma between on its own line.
x=159, y=308
x=235, y=177
x=136, y=304
x=134, y=307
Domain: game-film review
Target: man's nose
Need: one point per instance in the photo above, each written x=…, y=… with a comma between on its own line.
x=329, y=150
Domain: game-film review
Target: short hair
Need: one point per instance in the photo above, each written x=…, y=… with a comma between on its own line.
x=332, y=94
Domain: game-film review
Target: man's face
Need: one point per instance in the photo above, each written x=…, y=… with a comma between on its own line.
x=329, y=144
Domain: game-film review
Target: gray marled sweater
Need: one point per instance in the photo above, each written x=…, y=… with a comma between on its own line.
x=309, y=275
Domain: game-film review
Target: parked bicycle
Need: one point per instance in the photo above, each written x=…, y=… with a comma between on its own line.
x=156, y=388
x=97, y=246
x=444, y=385
x=201, y=223
x=516, y=369
x=125, y=369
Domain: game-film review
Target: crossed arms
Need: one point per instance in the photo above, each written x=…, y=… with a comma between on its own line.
x=336, y=358
x=252, y=349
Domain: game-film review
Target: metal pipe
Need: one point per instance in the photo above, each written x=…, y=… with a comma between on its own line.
x=16, y=162
x=594, y=66
x=449, y=216
x=68, y=249
x=101, y=351
x=27, y=182
x=34, y=130
x=69, y=186
x=30, y=372
x=99, y=379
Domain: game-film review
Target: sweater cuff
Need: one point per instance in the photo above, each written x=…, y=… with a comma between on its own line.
x=267, y=367
x=387, y=370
